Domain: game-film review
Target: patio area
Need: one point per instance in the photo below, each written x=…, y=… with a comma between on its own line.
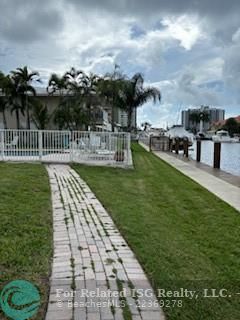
x=94, y=148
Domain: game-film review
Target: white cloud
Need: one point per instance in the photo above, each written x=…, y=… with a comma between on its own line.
x=161, y=115
x=231, y=70
x=236, y=36
x=186, y=29
x=178, y=47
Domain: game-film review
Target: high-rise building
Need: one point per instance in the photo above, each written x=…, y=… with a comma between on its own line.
x=214, y=115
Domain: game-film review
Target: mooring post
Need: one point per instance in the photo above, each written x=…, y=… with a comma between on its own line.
x=217, y=155
x=198, y=157
x=176, y=145
x=185, y=147
x=170, y=144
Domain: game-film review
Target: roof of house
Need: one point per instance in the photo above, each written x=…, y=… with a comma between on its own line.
x=222, y=122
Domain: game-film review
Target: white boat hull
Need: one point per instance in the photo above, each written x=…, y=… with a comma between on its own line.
x=225, y=139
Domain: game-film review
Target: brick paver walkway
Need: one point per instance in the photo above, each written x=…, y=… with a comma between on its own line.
x=95, y=275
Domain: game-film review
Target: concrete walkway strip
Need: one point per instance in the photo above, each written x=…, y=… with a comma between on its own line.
x=222, y=189
x=95, y=275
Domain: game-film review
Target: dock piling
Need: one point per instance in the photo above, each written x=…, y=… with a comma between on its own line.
x=217, y=155
x=177, y=145
x=198, y=157
x=185, y=147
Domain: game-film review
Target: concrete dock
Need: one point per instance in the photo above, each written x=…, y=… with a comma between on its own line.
x=223, y=185
x=222, y=189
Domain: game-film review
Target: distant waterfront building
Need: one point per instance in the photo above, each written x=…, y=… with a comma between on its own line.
x=215, y=115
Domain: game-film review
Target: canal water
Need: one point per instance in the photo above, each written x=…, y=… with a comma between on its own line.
x=230, y=156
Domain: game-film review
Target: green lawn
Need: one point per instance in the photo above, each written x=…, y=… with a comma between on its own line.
x=25, y=227
x=182, y=235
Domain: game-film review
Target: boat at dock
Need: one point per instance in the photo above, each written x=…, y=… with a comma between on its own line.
x=223, y=136
x=177, y=132
x=203, y=136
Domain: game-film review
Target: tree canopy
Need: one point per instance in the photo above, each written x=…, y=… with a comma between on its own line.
x=81, y=97
x=232, y=126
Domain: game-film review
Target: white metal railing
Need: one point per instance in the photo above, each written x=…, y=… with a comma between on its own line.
x=107, y=148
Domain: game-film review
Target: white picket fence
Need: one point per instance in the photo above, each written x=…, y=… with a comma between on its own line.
x=104, y=148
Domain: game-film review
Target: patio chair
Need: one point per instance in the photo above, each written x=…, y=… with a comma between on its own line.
x=95, y=141
x=78, y=144
x=105, y=152
x=79, y=147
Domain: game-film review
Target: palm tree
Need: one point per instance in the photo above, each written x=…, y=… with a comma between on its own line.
x=3, y=98
x=199, y=117
x=110, y=88
x=3, y=107
x=23, y=79
x=57, y=83
x=82, y=93
x=134, y=95
x=146, y=125
x=90, y=98
x=10, y=90
x=194, y=118
x=203, y=117
x=40, y=114
x=70, y=115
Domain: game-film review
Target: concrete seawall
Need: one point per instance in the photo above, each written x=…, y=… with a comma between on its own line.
x=228, y=192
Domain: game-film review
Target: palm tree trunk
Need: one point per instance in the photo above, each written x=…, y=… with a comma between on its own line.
x=28, y=115
x=4, y=119
x=94, y=120
x=130, y=119
x=112, y=122
x=17, y=119
x=28, y=119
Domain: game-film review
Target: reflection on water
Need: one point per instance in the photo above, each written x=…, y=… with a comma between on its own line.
x=230, y=156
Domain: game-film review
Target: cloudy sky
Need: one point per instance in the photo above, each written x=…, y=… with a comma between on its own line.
x=190, y=49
